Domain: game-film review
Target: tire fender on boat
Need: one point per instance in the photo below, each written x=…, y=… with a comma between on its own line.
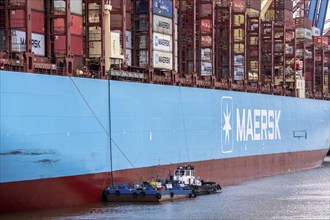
x=194, y=194
x=172, y=194
x=158, y=196
x=143, y=194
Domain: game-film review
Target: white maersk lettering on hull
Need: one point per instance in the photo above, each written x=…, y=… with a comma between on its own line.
x=257, y=124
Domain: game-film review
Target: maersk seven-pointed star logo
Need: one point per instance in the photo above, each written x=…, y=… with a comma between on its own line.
x=227, y=126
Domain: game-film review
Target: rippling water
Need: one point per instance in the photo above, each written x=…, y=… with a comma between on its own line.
x=300, y=195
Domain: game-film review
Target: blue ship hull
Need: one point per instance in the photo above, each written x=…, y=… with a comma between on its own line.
x=57, y=130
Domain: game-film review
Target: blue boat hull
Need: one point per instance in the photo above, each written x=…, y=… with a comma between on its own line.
x=58, y=129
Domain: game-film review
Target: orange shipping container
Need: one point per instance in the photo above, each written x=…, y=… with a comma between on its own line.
x=76, y=24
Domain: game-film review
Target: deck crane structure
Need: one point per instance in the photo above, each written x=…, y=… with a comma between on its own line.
x=264, y=7
x=317, y=13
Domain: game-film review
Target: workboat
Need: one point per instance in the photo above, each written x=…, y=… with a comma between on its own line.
x=185, y=176
x=147, y=192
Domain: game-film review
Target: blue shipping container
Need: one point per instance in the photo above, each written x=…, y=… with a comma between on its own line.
x=142, y=7
x=162, y=7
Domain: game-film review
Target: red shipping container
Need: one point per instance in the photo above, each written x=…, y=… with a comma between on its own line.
x=254, y=4
x=76, y=45
x=308, y=76
x=17, y=21
x=206, y=25
x=38, y=22
x=206, y=9
x=38, y=5
x=116, y=21
x=321, y=41
x=117, y=5
x=288, y=24
x=238, y=5
x=76, y=25
x=288, y=5
x=303, y=23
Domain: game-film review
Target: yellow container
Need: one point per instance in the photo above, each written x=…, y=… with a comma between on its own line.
x=252, y=12
x=238, y=34
x=238, y=48
x=254, y=41
x=239, y=19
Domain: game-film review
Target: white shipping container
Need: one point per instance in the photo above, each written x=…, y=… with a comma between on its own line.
x=304, y=33
x=316, y=31
x=128, y=57
x=238, y=72
x=238, y=60
x=115, y=46
x=162, y=25
x=206, y=54
x=75, y=6
x=143, y=58
x=162, y=60
x=19, y=43
x=206, y=68
x=162, y=42
x=128, y=38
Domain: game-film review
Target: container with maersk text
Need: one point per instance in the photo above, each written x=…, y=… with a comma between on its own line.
x=162, y=60
x=18, y=41
x=162, y=42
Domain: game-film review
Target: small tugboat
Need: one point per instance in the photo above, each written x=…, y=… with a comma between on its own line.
x=185, y=176
x=147, y=192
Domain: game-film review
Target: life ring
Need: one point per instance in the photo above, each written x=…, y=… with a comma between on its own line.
x=143, y=194
x=158, y=196
x=172, y=194
x=117, y=192
x=134, y=194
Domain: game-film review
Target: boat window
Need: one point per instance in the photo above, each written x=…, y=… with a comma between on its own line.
x=188, y=173
x=179, y=173
x=192, y=173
